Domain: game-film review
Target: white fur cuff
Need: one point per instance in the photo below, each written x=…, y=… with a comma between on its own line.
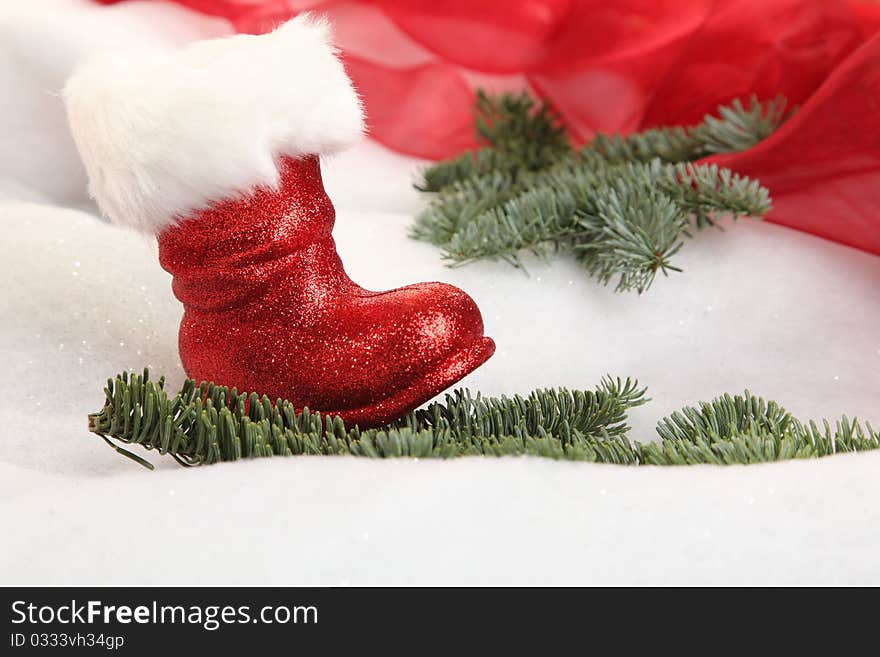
x=165, y=133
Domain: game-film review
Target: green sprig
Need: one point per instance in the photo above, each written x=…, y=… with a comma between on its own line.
x=621, y=205
x=736, y=128
x=518, y=136
x=204, y=424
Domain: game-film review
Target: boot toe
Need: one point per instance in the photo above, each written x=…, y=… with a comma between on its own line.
x=445, y=320
x=433, y=339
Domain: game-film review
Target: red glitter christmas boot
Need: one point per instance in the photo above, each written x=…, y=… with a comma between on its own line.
x=213, y=148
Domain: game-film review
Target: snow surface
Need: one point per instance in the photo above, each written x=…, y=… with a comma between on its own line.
x=785, y=314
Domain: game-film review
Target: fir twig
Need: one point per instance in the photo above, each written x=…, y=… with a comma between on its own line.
x=624, y=221
x=736, y=128
x=204, y=424
x=517, y=135
x=622, y=205
x=746, y=429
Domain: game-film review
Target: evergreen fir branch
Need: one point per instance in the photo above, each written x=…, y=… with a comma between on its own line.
x=622, y=205
x=460, y=203
x=204, y=424
x=707, y=190
x=518, y=136
x=622, y=221
x=737, y=128
x=746, y=429
x=466, y=166
x=532, y=221
x=674, y=144
x=514, y=124
x=560, y=413
x=724, y=418
x=632, y=237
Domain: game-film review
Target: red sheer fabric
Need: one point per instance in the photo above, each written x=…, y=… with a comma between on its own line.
x=624, y=66
x=823, y=166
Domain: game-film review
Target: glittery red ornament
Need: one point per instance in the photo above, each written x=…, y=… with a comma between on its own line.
x=269, y=308
x=214, y=149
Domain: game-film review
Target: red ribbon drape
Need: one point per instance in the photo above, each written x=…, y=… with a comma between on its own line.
x=625, y=66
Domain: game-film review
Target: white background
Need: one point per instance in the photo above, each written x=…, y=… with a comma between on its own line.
x=785, y=314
